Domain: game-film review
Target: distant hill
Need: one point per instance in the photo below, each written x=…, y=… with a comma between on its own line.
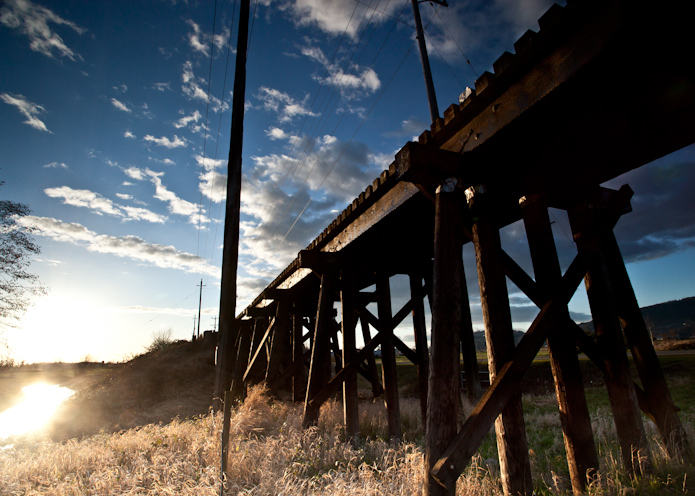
x=670, y=320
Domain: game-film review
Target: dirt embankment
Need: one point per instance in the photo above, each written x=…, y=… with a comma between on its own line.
x=154, y=387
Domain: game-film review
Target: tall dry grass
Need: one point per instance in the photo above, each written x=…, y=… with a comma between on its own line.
x=271, y=454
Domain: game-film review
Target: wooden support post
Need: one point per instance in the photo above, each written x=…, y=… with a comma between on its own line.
x=258, y=360
x=470, y=359
x=278, y=349
x=644, y=357
x=350, y=405
x=582, y=458
x=377, y=389
x=320, y=365
x=417, y=296
x=515, y=468
x=299, y=377
x=621, y=390
x=238, y=387
x=388, y=356
x=444, y=394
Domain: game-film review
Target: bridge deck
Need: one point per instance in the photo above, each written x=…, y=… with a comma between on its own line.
x=600, y=89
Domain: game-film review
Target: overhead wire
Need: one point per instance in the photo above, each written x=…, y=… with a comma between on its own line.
x=382, y=92
x=327, y=111
x=280, y=184
x=219, y=125
x=205, y=128
x=309, y=140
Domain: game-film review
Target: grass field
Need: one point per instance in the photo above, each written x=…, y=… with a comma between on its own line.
x=271, y=454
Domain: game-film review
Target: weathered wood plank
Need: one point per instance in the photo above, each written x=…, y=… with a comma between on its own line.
x=443, y=388
x=512, y=446
x=320, y=365
x=582, y=458
x=388, y=357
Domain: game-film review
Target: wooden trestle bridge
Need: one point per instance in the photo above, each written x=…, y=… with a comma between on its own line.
x=602, y=88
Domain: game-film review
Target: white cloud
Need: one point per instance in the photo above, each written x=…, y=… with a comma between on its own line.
x=193, y=89
x=275, y=133
x=213, y=185
x=28, y=109
x=100, y=205
x=166, y=142
x=33, y=21
x=282, y=103
x=187, y=119
x=121, y=88
x=196, y=215
x=124, y=196
x=199, y=41
x=55, y=165
x=120, y=105
x=128, y=134
x=208, y=163
x=84, y=198
x=135, y=173
x=356, y=82
x=131, y=247
x=162, y=86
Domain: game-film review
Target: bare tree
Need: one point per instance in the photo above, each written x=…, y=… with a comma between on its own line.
x=17, y=284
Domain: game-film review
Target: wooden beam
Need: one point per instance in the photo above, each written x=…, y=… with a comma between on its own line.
x=258, y=345
x=348, y=326
x=320, y=365
x=512, y=446
x=621, y=392
x=582, y=458
x=377, y=388
x=444, y=386
x=656, y=390
x=338, y=379
x=504, y=386
x=388, y=357
x=278, y=342
x=238, y=386
x=417, y=295
x=299, y=377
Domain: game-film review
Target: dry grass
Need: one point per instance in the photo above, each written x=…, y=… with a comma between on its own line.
x=271, y=454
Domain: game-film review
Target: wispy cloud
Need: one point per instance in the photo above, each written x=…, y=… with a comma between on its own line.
x=278, y=101
x=55, y=165
x=176, y=205
x=100, y=205
x=29, y=109
x=120, y=105
x=199, y=41
x=131, y=247
x=34, y=21
x=193, y=88
x=166, y=142
x=187, y=119
x=162, y=86
x=128, y=134
x=357, y=81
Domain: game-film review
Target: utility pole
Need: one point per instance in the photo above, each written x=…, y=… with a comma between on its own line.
x=193, y=336
x=200, y=301
x=431, y=97
x=230, y=254
x=214, y=325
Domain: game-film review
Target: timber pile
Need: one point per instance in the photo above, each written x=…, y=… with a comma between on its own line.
x=602, y=88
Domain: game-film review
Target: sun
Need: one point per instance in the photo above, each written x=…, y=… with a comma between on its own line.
x=58, y=328
x=39, y=403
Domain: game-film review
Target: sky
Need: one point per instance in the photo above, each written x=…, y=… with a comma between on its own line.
x=114, y=129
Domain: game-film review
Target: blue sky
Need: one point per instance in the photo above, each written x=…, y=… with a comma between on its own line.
x=108, y=133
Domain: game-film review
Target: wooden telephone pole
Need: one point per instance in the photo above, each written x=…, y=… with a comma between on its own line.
x=431, y=97
x=230, y=254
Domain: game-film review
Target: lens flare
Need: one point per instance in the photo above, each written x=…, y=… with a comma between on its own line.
x=36, y=408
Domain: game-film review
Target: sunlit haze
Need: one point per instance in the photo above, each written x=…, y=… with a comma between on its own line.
x=114, y=129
